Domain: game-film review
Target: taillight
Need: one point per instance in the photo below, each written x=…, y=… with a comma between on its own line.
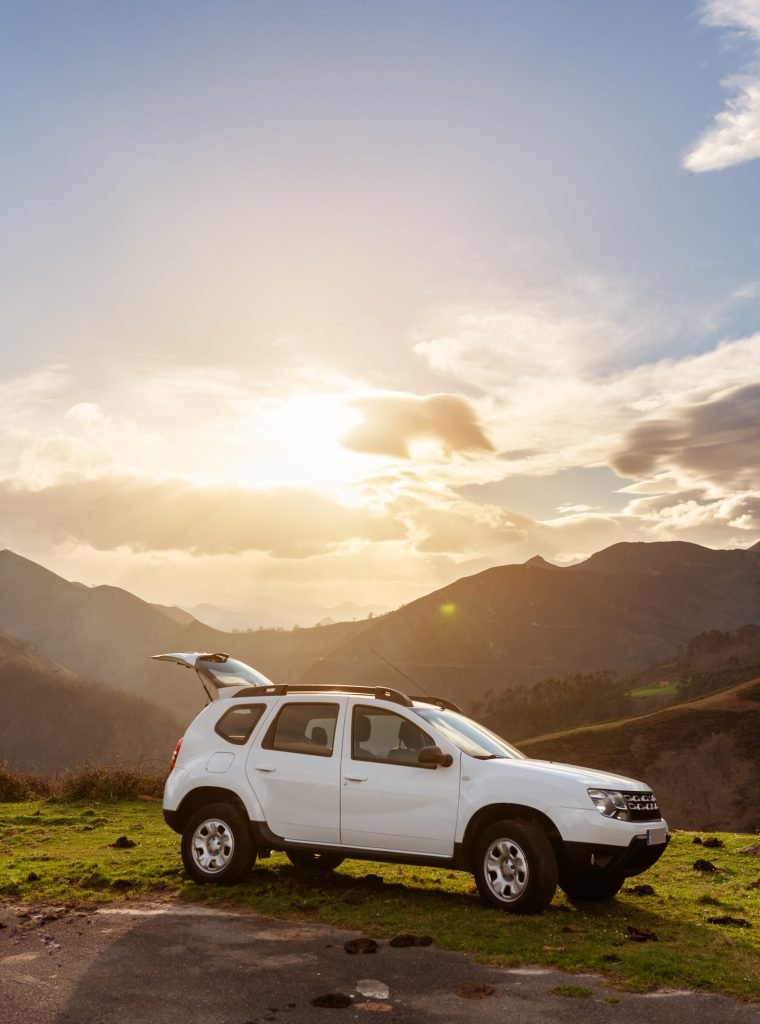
x=175, y=755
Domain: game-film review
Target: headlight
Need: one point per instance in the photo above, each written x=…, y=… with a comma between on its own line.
x=610, y=803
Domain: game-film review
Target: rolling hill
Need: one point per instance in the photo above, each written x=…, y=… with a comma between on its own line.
x=51, y=720
x=701, y=757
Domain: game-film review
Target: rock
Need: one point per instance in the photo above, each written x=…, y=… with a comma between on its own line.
x=471, y=990
x=641, y=890
x=333, y=1000
x=753, y=851
x=122, y=843
x=640, y=935
x=713, y=843
x=738, y=922
x=362, y=945
x=697, y=840
x=32, y=877
x=704, y=865
x=405, y=939
x=373, y=881
x=371, y=988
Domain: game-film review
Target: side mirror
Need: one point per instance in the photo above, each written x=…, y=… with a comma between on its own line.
x=433, y=757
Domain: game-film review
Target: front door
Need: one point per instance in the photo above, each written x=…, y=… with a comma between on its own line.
x=388, y=800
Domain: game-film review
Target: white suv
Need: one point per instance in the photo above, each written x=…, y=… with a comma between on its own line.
x=367, y=772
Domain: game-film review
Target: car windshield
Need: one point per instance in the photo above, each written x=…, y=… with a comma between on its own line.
x=471, y=738
x=232, y=673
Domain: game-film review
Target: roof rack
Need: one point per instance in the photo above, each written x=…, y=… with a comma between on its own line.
x=445, y=705
x=278, y=689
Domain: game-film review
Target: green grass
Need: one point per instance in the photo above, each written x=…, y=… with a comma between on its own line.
x=657, y=691
x=68, y=845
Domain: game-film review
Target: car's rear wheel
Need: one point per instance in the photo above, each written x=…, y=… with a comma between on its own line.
x=594, y=890
x=318, y=861
x=515, y=867
x=217, y=846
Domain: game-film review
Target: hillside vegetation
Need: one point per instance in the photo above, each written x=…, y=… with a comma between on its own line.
x=701, y=757
x=51, y=720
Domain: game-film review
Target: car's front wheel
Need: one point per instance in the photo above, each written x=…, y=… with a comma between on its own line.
x=318, y=861
x=594, y=890
x=217, y=846
x=515, y=867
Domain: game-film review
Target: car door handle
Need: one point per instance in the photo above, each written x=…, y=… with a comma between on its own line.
x=355, y=778
x=264, y=768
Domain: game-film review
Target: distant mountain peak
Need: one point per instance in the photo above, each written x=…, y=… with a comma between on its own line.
x=539, y=562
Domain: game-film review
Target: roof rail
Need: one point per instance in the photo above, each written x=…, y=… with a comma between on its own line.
x=445, y=705
x=278, y=689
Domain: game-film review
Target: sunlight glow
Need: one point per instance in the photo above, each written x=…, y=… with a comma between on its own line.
x=302, y=444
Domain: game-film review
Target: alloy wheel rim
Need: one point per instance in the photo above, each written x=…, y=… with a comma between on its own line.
x=506, y=870
x=213, y=845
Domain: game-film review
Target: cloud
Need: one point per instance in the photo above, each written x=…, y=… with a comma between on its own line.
x=734, y=136
x=392, y=423
x=713, y=442
x=22, y=397
x=565, y=393
x=107, y=514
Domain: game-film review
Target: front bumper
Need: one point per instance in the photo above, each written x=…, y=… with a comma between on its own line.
x=598, y=859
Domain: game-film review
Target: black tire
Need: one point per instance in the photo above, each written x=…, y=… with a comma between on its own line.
x=316, y=861
x=593, y=890
x=217, y=845
x=515, y=867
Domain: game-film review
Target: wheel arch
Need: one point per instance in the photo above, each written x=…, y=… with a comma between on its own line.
x=499, y=812
x=201, y=796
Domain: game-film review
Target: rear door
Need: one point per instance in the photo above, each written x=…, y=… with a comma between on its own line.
x=388, y=800
x=294, y=769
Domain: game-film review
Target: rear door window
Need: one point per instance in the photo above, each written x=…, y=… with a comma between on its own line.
x=304, y=728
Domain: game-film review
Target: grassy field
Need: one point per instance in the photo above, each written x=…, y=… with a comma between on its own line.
x=657, y=691
x=55, y=853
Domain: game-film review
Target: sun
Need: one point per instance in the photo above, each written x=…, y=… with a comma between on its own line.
x=300, y=444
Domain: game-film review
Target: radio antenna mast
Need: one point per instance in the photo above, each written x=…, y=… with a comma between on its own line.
x=397, y=669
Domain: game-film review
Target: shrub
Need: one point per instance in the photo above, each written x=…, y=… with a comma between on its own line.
x=91, y=783
x=107, y=783
x=15, y=787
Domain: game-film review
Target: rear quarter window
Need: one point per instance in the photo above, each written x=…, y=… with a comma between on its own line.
x=237, y=723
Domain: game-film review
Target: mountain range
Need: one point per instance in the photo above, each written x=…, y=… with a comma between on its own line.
x=621, y=609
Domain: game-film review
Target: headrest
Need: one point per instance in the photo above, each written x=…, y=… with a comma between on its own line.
x=410, y=735
x=363, y=728
x=319, y=736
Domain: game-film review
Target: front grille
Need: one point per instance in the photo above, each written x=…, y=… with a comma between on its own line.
x=642, y=806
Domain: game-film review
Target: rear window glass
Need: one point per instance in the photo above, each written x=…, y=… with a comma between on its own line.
x=237, y=724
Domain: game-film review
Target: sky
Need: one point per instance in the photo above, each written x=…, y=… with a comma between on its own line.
x=341, y=301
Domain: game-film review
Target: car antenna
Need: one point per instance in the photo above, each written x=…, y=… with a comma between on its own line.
x=397, y=669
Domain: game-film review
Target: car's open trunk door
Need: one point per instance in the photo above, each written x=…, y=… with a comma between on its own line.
x=221, y=675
